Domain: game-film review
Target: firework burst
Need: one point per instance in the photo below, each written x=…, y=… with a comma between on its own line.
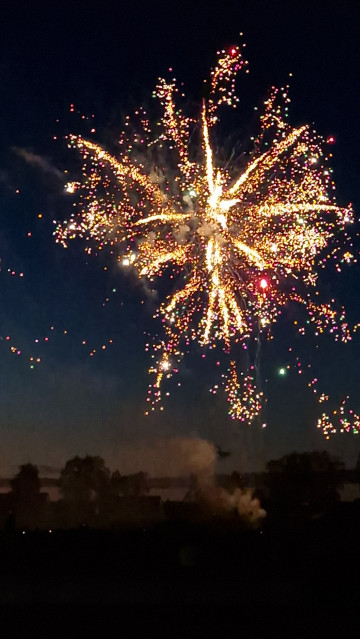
x=238, y=243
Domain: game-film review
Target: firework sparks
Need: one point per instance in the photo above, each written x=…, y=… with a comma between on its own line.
x=239, y=242
x=342, y=419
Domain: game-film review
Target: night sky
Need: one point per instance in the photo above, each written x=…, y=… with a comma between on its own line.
x=105, y=62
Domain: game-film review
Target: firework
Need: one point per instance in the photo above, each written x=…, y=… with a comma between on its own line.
x=342, y=419
x=238, y=242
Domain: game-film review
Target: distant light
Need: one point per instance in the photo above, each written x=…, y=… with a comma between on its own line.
x=264, y=284
x=282, y=371
x=331, y=139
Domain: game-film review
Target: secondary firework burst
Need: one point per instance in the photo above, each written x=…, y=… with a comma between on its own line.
x=237, y=242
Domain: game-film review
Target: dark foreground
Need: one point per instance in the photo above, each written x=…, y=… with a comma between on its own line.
x=217, y=565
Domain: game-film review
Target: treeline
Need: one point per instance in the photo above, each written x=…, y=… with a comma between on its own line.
x=304, y=486
x=297, y=486
x=90, y=495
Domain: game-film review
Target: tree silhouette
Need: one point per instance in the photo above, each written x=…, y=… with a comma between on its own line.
x=25, y=489
x=26, y=484
x=304, y=480
x=85, y=485
x=84, y=480
x=135, y=485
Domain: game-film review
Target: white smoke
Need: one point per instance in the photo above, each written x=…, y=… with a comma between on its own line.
x=246, y=504
x=206, y=229
x=39, y=161
x=173, y=457
x=181, y=235
x=220, y=501
x=188, y=201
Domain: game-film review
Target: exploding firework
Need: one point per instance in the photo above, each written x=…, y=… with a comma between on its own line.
x=237, y=242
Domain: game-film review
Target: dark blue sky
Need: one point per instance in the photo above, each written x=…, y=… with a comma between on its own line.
x=106, y=61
